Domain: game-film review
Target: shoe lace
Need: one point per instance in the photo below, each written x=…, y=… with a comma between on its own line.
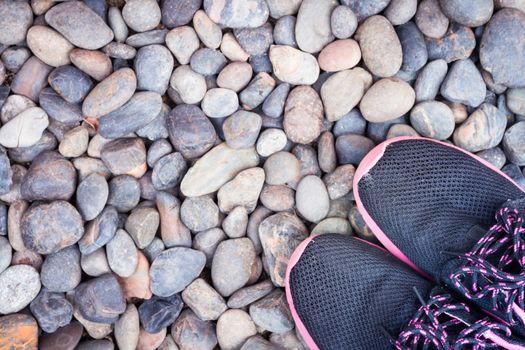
x=487, y=272
x=441, y=323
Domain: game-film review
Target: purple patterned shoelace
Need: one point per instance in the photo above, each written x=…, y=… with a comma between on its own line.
x=493, y=272
x=444, y=323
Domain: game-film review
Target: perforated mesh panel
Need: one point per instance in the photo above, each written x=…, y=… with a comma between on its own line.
x=344, y=289
x=428, y=198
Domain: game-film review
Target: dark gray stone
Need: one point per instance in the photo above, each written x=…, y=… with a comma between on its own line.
x=468, y=14
x=351, y=149
x=207, y=61
x=51, y=310
x=351, y=123
x=157, y=150
x=92, y=194
x=365, y=9
x=199, y=213
x=261, y=63
x=158, y=313
x=70, y=83
x=257, y=91
x=273, y=105
x=255, y=41
x=494, y=156
x=157, y=128
x=168, y=171
x=122, y=254
x=100, y=7
x=153, y=65
x=429, y=80
x=124, y=193
x=458, y=43
x=58, y=108
x=61, y=271
x=207, y=242
x=272, y=313
x=125, y=156
x=464, y=84
x=176, y=13
x=99, y=231
x=414, y=48
x=514, y=172
x=284, y=31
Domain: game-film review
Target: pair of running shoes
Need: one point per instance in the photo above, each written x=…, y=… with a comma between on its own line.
x=452, y=275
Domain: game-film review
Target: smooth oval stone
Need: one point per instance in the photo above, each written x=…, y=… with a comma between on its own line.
x=19, y=285
x=70, y=83
x=219, y=103
x=257, y=91
x=470, y=15
x=279, y=8
x=380, y=46
x=273, y=105
x=494, y=156
x=124, y=192
x=351, y=149
x=156, y=36
x=100, y=299
x=501, y=52
x=343, y=22
x=513, y=143
x=232, y=265
x=458, y=43
x=75, y=142
x=209, y=33
x=158, y=313
x=176, y=13
x=303, y=115
x=199, y=213
x=483, y=129
x=110, y=94
x=61, y=271
x=433, y=119
x=127, y=329
x=182, y=42
x=293, y=66
x=25, y=129
x=49, y=177
x=243, y=190
x=64, y=338
x=429, y=80
x=272, y=313
x=58, y=214
x=284, y=31
x=312, y=30
x=141, y=15
x=351, y=123
x=387, y=99
x=14, y=57
x=312, y=199
x=247, y=295
x=52, y=311
x=79, y=24
x=237, y=13
x=48, y=45
x=153, y=65
x=207, y=242
x=98, y=344
x=92, y=194
x=13, y=106
x=204, y=300
x=401, y=11
x=234, y=327
x=31, y=78
x=125, y=156
x=99, y=231
x=59, y=109
x=141, y=109
x=431, y=20
x=207, y=61
x=87, y=166
x=241, y=129
x=516, y=100
x=190, y=85
x=96, y=64
x=255, y=41
x=235, y=76
x=142, y=225
x=464, y=84
x=16, y=18
x=413, y=46
x=122, y=254
x=95, y=264
x=215, y=168
x=332, y=225
x=280, y=234
x=231, y=48
x=157, y=150
x=174, y=269
x=157, y=128
x=117, y=24
x=168, y=171
x=191, y=132
x=340, y=55
x=281, y=168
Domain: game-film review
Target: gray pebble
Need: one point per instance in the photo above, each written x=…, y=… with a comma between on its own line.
x=207, y=61
x=117, y=24
x=433, y=119
x=141, y=15
x=95, y=264
x=151, y=37
x=429, y=80
x=255, y=41
x=142, y=224
x=312, y=30
x=242, y=129
x=273, y=105
x=366, y=9
x=199, y=213
x=168, y=171
x=124, y=193
x=158, y=313
x=16, y=19
x=284, y=31
x=92, y=194
x=190, y=332
x=464, y=84
x=204, y=300
x=209, y=32
x=153, y=65
x=52, y=310
x=177, y=13
x=125, y=156
x=219, y=103
x=122, y=254
x=494, y=156
x=61, y=271
x=237, y=13
x=19, y=285
x=14, y=57
x=257, y=91
x=458, y=43
x=120, y=51
x=272, y=313
x=414, y=48
x=157, y=150
x=207, y=242
x=58, y=108
x=343, y=22
x=351, y=149
x=277, y=197
x=70, y=83
x=5, y=253
x=351, y=123
x=99, y=231
x=514, y=144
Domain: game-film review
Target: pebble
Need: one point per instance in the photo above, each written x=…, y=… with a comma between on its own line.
x=122, y=254
x=95, y=264
x=174, y=269
x=293, y=66
x=231, y=48
x=272, y=313
x=458, y=43
x=199, y=213
x=100, y=344
x=257, y=342
x=27, y=154
x=157, y=313
x=241, y=129
x=242, y=190
x=470, y=16
x=237, y=13
x=110, y=94
x=433, y=119
x=514, y=172
x=14, y=57
x=303, y=115
x=284, y=31
x=95, y=330
x=150, y=341
x=280, y=234
x=176, y=13
x=141, y=15
x=431, y=20
x=151, y=37
x=234, y=225
x=14, y=105
x=313, y=30
x=234, y=327
x=117, y=24
x=182, y=42
x=257, y=91
x=279, y=9
x=342, y=91
x=142, y=224
x=494, y=156
x=339, y=182
x=138, y=284
x=18, y=331
x=343, y=22
x=6, y=174
x=168, y=171
x=96, y=64
x=52, y=311
x=49, y=46
x=125, y=156
x=501, y=53
x=120, y=51
x=99, y=231
x=127, y=329
x=157, y=128
x=153, y=64
x=351, y=149
x=464, y=84
x=207, y=61
x=61, y=271
x=202, y=299
x=282, y=168
x=74, y=143
x=414, y=48
x=59, y=109
x=277, y=197
x=312, y=199
x=19, y=285
x=255, y=41
x=25, y=129
x=100, y=299
x=190, y=332
x=235, y=76
x=400, y=11
x=5, y=254
x=332, y=225
x=191, y=132
x=270, y=141
x=215, y=168
x=340, y=55
x=429, y=80
x=387, y=99
x=124, y=193
x=79, y=24
x=17, y=17
x=207, y=242
x=190, y=86
x=513, y=143
x=516, y=100
x=219, y=103
x=14, y=217
x=380, y=46
x=247, y=295
x=59, y=214
x=31, y=78
x=273, y=105
x=483, y=129
x=209, y=32
x=351, y=123
x=140, y=110
x=65, y=338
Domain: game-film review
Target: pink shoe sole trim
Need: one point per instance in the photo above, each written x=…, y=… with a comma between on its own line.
x=370, y=160
x=298, y=323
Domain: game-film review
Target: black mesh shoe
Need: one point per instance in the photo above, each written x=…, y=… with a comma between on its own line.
x=451, y=216
x=345, y=293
